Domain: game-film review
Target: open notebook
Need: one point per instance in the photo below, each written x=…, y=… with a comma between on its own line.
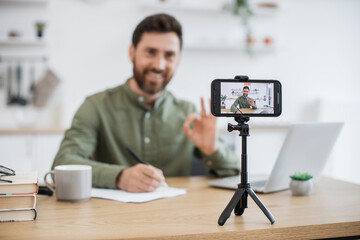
x=122, y=196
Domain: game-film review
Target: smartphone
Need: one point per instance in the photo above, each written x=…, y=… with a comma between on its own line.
x=252, y=98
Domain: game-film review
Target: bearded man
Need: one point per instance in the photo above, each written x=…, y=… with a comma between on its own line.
x=142, y=115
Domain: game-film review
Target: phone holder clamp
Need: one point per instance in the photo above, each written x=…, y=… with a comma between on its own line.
x=242, y=77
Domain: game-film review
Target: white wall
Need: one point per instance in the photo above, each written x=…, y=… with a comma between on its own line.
x=319, y=50
x=317, y=57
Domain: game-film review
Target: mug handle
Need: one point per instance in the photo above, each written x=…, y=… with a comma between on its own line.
x=48, y=184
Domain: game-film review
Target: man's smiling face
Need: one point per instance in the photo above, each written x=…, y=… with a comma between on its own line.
x=155, y=60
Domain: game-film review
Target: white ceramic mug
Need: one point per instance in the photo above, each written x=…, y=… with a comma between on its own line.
x=72, y=182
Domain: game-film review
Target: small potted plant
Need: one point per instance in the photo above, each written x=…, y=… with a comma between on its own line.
x=40, y=26
x=301, y=184
x=223, y=98
x=242, y=9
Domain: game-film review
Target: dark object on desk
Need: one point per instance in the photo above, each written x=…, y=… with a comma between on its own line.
x=44, y=190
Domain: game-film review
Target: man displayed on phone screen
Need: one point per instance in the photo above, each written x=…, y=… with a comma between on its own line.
x=243, y=101
x=252, y=97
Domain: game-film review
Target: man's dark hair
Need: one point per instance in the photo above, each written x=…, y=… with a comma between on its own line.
x=162, y=23
x=246, y=87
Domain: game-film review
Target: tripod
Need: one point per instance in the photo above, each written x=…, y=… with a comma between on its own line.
x=239, y=201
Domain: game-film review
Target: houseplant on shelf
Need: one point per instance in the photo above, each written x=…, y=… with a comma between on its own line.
x=301, y=184
x=40, y=26
x=223, y=98
x=242, y=9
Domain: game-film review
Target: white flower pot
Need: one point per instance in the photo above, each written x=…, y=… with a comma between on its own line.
x=301, y=188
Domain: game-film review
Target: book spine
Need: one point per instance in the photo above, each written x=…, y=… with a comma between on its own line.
x=35, y=213
x=19, y=220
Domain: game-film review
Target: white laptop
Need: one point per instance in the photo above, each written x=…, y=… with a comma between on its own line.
x=306, y=148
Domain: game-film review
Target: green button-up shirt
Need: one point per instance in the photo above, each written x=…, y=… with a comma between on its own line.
x=109, y=121
x=243, y=102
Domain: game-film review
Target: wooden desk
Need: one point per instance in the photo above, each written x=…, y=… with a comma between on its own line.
x=331, y=211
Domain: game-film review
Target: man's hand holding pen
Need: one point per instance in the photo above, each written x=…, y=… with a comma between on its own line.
x=140, y=178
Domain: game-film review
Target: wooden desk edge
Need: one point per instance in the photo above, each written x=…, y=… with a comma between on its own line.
x=320, y=231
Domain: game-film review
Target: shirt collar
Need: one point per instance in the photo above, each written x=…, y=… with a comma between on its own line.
x=139, y=101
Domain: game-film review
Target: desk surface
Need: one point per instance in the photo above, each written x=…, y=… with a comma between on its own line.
x=331, y=211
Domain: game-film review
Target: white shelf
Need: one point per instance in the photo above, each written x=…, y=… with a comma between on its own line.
x=254, y=48
x=189, y=5
x=22, y=42
x=259, y=7
x=24, y=1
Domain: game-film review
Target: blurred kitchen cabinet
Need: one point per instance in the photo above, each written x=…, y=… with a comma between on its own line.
x=25, y=152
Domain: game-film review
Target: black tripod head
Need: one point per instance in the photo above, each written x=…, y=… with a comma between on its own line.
x=242, y=127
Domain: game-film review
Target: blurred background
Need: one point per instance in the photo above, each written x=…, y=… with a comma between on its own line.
x=55, y=53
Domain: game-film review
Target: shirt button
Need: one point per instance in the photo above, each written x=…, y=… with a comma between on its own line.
x=141, y=99
x=147, y=115
x=146, y=140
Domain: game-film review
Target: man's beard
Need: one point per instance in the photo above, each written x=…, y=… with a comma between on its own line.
x=149, y=87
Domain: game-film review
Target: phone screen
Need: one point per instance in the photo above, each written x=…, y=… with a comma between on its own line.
x=260, y=98
x=247, y=98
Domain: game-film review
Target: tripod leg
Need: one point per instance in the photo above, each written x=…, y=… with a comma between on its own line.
x=241, y=205
x=231, y=205
x=261, y=205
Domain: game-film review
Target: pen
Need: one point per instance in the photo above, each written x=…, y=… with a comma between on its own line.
x=136, y=157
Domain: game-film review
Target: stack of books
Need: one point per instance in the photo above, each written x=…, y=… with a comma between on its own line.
x=18, y=199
